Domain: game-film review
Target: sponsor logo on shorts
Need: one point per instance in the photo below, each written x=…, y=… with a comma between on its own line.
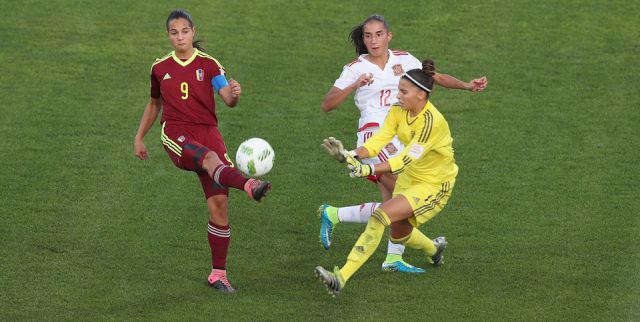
x=181, y=138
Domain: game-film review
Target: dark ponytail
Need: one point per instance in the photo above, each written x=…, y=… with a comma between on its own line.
x=181, y=13
x=356, y=36
x=422, y=78
x=196, y=45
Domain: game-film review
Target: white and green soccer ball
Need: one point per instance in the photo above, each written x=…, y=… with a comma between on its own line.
x=255, y=157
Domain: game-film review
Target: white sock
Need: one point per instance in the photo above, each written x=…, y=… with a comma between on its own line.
x=397, y=249
x=357, y=214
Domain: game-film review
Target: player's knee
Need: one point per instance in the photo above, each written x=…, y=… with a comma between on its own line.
x=195, y=155
x=218, y=207
x=399, y=239
x=381, y=216
x=211, y=159
x=400, y=230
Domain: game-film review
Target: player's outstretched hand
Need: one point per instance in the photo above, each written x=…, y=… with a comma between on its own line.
x=478, y=84
x=358, y=169
x=335, y=148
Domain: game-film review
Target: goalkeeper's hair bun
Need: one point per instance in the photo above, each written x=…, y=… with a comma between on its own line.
x=423, y=78
x=429, y=67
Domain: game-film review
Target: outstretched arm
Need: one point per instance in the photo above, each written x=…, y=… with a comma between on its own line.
x=448, y=81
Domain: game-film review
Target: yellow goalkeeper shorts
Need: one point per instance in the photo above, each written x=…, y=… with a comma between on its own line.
x=426, y=200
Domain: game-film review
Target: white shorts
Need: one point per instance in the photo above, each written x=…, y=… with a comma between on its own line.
x=390, y=150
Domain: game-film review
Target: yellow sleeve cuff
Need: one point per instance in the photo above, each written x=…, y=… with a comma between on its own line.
x=396, y=164
x=370, y=151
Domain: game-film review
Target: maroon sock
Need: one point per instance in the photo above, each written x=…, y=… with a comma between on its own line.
x=219, y=238
x=227, y=176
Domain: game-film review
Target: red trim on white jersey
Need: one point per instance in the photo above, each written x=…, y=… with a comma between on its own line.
x=399, y=53
x=383, y=157
x=353, y=62
x=366, y=136
x=368, y=125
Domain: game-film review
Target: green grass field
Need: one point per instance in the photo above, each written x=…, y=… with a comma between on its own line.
x=543, y=223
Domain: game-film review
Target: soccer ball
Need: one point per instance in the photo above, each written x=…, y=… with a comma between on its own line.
x=255, y=157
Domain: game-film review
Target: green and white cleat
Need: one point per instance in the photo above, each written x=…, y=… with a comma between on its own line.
x=333, y=281
x=441, y=244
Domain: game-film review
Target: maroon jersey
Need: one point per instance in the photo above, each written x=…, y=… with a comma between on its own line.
x=185, y=88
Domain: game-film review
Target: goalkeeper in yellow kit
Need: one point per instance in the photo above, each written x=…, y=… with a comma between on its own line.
x=426, y=172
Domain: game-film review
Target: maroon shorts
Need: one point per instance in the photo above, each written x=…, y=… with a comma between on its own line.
x=187, y=144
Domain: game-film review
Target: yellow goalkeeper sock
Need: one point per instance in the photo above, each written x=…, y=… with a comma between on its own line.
x=417, y=240
x=366, y=244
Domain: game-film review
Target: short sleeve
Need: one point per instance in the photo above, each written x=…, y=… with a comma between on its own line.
x=216, y=69
x=155, y=86
x=347, y=78
x=413, y=63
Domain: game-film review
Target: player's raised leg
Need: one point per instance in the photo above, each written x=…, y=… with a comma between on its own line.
x=223, y=174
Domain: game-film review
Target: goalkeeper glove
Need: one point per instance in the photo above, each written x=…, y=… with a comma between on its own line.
x=335, y=148
x=358, y=169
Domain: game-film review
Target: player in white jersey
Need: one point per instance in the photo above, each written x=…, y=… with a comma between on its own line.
x=374, y=76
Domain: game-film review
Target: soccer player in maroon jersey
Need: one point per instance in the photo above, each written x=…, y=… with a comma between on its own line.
x=182, y=86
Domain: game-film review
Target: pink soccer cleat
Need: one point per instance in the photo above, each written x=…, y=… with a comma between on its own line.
x=257, y=189
x=218, y=281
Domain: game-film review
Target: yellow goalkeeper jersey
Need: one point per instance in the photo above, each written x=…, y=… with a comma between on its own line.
x=428, y=153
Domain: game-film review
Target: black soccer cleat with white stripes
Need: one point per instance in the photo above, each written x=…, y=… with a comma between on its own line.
x=332, y=281
x=441, y=244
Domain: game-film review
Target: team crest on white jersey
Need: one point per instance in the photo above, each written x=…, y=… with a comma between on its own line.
x=166, y=76
x=397, y=70
x=391, y=148
x=199, y=74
